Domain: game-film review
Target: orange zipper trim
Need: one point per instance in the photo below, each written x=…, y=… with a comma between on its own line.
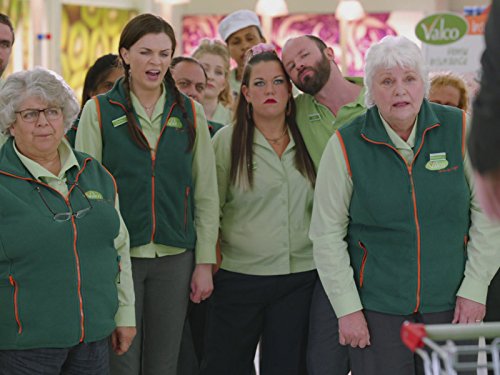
x=409, y=167
x=16, y=306
x=363, y=262
x=344, y=151
x=153, y=163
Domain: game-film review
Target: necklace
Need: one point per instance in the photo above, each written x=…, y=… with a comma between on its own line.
x=148, y=108
x=276, y=140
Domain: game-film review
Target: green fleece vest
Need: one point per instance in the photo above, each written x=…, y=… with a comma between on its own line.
x=57, y=279
x=408, y=225
x=156, y=195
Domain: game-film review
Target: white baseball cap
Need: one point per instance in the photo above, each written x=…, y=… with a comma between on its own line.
x=236, y=21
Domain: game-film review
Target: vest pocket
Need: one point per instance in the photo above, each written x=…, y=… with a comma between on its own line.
x=16, y=307
x=119, y=262
x=363, y=263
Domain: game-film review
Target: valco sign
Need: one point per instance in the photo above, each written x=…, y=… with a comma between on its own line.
x=441, y=28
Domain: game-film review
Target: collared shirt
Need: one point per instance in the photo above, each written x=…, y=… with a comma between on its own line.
x=234, y=84
x=3, y=138
x=317, y=123
x=264, y=229
x=223, y=115
x=125, y=316
x=89, y=140
x=331, y=219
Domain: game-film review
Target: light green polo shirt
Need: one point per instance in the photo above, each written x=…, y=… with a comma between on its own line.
x=222, y=115
x=264, y=230
x=3, y=138
x=89, y=140
x=331, y=218
x=317, y=123
x=125, y=316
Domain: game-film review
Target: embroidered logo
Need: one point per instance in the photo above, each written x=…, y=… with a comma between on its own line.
x=314, y=117
x=174, y=122
x=437, y=161
x=119, y=121
x=92, y=194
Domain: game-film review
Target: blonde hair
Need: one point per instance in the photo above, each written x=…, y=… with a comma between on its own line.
x=216, y=47
x=453, y=80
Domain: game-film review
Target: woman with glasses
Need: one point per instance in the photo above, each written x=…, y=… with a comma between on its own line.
x=65, y=274
x=156, y=143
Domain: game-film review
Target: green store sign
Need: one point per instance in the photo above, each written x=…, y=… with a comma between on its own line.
x=441, y=28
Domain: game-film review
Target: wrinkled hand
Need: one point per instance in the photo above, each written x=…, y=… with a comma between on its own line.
x=468, y=311
x=201, y=283
x=353, y=330
x=121, y=339
x=488, y=193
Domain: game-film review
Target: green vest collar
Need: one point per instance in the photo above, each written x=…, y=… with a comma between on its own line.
x=374, y=130
x=11, y=164
x=117, y=96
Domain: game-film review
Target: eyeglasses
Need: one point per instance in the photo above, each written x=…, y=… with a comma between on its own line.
x=65, y=216
x=31, y=115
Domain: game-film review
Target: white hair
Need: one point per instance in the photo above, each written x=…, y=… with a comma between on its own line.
x=390, y=52
x=39, y=83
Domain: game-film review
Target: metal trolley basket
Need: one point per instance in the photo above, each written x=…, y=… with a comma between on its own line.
x=451, y=358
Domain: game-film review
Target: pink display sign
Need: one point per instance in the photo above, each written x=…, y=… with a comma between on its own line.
x=360, y=34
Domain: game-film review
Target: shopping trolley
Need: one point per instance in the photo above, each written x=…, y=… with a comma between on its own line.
x=451, y=357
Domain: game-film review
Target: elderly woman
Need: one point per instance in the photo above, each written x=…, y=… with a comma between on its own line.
x=395, y=208
x=65, y=278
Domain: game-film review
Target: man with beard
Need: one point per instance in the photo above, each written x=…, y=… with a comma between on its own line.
x=6, y=42
x=328, y=102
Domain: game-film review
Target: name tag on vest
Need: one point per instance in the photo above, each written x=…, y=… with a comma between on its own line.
x=174, y=122
x=437, y=161
x=314, y=117
x=119, y=121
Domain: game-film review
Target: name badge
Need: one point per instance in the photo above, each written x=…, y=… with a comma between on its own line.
x=437, y=161
x=174, y=122
x=119, y=121
x=314, y=117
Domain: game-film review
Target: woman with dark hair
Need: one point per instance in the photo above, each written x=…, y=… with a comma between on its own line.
x=156, y=143
x=265, y=178
x=100, y=79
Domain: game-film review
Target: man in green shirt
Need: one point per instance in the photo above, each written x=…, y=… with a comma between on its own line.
x=328, y=101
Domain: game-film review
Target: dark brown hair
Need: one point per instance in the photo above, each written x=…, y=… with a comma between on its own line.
x=6, y=21
x=97, y=73
x=134, y=30
x=244, y=129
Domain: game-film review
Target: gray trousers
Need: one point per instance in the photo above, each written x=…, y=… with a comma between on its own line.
x=82, y=359
x=387, y=355
x=325, y=355
x=161, y=298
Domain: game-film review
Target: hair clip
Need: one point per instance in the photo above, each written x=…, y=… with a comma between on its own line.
x=258, y=49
